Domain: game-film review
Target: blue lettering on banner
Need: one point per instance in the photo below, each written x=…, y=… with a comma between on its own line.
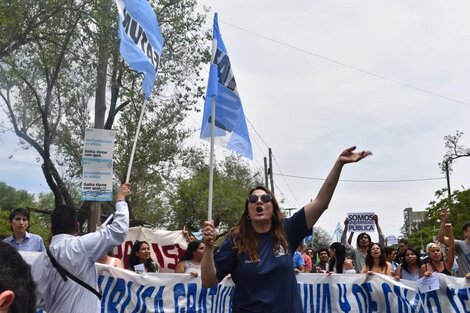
x=463, y=297
x=137, y=306
x=357, y=290
x=386, y=290
x=124, y=295
x=158, y=301
x=431, y=299
x=343, y=299
x=450, y=292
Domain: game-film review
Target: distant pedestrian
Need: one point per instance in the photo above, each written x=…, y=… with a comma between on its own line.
x=20, y=238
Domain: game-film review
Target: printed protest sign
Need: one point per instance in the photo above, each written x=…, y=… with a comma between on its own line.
x=361, y=222
x=97, y=165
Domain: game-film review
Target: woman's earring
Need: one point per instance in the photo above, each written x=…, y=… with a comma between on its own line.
x=248, y=217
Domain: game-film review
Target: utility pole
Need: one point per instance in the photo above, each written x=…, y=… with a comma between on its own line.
x=266, y=182
x=271, y=170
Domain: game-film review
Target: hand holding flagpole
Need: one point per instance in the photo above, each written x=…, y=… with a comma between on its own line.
x=223, y=112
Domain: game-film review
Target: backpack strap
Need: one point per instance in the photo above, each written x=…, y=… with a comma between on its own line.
x=64, y=274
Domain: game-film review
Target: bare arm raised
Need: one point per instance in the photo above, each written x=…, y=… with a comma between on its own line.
x=314, y=209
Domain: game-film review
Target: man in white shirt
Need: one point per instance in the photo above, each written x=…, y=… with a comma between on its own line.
x=77, y=255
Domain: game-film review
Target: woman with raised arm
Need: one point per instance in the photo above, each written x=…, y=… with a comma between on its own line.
x=436, y=260
x=258, y=251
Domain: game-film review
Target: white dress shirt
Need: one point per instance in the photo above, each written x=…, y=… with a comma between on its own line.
x=77, y=254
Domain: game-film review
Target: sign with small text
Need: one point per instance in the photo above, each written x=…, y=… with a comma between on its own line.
x=97, y=165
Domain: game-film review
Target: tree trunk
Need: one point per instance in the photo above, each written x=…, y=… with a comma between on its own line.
x=94, y=211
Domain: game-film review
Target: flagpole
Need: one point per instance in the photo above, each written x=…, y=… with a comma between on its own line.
x=211, y=163
x=129, y=168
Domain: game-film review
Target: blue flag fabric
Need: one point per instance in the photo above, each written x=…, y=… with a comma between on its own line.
x=230, y=124
x=141, y=39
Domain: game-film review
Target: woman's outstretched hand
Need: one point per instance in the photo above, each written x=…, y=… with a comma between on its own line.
x=348, y=156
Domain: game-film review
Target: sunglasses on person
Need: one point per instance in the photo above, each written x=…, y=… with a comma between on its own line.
x=436, y=250
x=266, y=198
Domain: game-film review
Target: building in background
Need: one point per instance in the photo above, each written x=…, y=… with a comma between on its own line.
x=412, y=219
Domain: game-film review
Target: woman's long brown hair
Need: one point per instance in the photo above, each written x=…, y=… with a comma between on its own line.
x=244, y=237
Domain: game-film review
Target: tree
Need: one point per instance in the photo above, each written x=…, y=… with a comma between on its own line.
x=47, y=85
x=458, y=202
x=21, y=20
x=459, y=213
x=454, y=151
x=11, y=198
x=232, y=181
x=320, y=238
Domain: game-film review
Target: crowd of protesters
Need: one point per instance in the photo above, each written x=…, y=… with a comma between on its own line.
x=71, y=255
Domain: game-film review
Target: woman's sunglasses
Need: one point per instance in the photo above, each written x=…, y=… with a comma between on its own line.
x=266, y=198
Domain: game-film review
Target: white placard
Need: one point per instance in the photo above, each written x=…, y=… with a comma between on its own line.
x=428, y=284
x=391, y=240
x=361, y=222
x=97, y=164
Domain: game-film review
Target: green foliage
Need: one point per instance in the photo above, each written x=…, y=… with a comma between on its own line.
x=11, y=198
x=232, y=181
x=320, y=239
x=459, y=213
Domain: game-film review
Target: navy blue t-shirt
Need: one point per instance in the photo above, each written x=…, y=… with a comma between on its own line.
x=268, y=285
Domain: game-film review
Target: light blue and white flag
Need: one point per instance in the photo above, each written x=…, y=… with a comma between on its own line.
x=141, y=39
x=230, y=124
x=338, y=231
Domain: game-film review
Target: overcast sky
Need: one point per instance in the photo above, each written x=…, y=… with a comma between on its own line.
x=316, y=77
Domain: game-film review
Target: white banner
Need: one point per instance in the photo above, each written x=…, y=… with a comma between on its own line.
x=125, y=291
x=166, y=247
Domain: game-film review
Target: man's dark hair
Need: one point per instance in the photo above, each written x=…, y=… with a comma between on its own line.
x=63, y=220
x=359, y=237
x=389, y=250
x=324, y=249
x=18, y=211
x=404, y=241
x=466, y=225
x=16, y=276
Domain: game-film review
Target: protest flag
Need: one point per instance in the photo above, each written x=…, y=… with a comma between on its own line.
x=141, y=46
x=223, y=120
x=230, y=128
x=338, y=231
x=141, y=40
